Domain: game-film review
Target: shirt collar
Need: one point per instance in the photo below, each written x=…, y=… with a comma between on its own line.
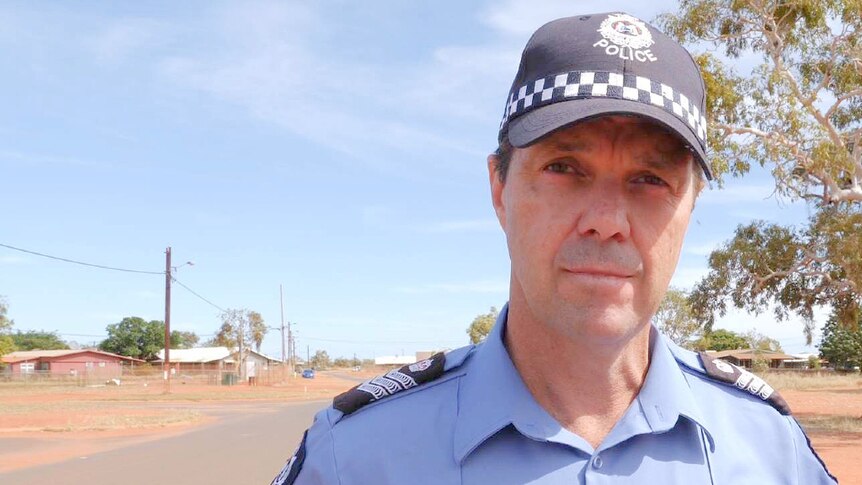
x=492, y=395
x=666, y=395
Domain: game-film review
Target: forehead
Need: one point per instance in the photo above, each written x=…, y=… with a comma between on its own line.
x=640, y=132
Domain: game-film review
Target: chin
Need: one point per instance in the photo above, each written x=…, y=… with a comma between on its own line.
x=607, y=323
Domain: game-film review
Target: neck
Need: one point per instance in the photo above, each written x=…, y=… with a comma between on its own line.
x=585, y=384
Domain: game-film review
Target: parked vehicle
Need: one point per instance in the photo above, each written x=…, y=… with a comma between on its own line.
x=308, y=374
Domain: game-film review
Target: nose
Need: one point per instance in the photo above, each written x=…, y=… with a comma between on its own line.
x=605, y=214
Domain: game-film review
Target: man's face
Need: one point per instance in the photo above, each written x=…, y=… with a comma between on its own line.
x=595, y=216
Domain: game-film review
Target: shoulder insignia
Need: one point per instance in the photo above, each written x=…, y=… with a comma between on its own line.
x=390, y=383
x=726, y=372
x=291, y=469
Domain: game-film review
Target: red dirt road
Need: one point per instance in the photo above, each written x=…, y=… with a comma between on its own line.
x=841, y=451
x=214, y=414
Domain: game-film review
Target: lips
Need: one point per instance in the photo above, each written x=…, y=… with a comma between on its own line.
x=602, y=272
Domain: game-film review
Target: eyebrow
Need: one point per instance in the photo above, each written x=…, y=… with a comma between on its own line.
x=576, y=145
x=663, y=160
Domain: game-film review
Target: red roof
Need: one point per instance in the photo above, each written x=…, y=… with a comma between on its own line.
x=26, y=355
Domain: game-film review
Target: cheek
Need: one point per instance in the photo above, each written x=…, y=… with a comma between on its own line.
x=535, y=227
x=661, y=243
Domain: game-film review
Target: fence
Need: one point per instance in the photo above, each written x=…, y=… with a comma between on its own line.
x=147, y=375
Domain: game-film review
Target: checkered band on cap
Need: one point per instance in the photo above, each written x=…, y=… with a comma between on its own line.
x=593, y=84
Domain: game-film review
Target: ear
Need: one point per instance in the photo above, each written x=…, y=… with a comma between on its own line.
x=497, y=187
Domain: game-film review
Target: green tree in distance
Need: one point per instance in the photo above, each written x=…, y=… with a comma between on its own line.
x=38, y=340
x=758, y=341
x=840, y=345
x=6, y=343
x=183, y=340
x=320, y=360
x=798, y=114
x=675, y=319
x=135, y=337
x=481, y=326
x=141, y=339
x=721, y=339
x=256, y=328
x=240, y=324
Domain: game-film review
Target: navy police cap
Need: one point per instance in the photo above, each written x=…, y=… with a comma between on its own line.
x=581, y=67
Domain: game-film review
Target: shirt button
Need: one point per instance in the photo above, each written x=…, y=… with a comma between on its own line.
x=597, y=462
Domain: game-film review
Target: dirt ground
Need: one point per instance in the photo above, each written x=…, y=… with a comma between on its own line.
x=839, y=449
x=45, y=424
x=50, y=424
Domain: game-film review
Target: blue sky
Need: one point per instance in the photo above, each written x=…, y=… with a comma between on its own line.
x=333, y=147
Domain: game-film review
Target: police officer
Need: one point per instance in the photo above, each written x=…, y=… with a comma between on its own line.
x=601, y=157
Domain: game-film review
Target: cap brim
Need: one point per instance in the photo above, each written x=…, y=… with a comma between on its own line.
x=530, y=127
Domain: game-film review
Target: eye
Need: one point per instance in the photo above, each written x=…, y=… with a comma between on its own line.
x=559, y=167
x=650, y=179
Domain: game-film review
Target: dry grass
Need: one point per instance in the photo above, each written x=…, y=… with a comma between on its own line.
x=130, y=406
x=70, y=416
x=831, y=424
x=814, y=381
x=124, y=422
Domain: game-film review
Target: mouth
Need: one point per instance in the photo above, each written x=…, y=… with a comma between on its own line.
x=600, y=273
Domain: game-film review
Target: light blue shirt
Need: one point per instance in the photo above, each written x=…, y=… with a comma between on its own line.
x=478, y=424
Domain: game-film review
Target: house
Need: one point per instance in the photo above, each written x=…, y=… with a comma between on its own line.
x=200, y=358
x=745, y=357
x=217, y=359
x=68, y=362
x=257, y=365
x=403, y=359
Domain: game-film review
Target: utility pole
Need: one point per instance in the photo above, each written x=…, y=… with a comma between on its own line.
x=308, y=355
x=240, y=335
x=291, y=341
x=281, y=301
x=291, y=350
x=168, y=320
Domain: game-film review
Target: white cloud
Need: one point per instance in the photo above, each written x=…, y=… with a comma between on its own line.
x=42, y=159
x=268, y=58
x=703, y=249
x=146, y=294
x=685, y=277
x=467, y=287
x=738, y=194
x=789, y=332
x=13, y=260
x=124, y=38
x=519, y=18
x=460, y=226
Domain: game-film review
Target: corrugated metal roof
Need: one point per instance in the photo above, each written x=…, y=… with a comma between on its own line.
x=394, y=359
x=197, y=355
x=751, y=353
x=24, y=355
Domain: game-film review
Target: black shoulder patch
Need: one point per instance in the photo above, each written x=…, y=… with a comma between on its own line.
x=726, y=372
x=390, y=383
x=291, y=469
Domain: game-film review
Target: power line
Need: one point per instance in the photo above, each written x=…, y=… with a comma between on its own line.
x=100, y=266
x=197, y=295
x=79, y=335
x=370, y=341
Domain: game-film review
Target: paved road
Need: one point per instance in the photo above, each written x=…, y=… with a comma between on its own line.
x=248, y=444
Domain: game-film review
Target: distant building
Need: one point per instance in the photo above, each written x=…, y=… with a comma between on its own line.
x=745, y=357
x=217, y=358
x=200, y=358
x=394, y=359
x=68, y=362
x=404, y=359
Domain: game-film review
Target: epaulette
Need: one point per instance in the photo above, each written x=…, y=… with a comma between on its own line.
x=392, y=382
x=719, y=370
